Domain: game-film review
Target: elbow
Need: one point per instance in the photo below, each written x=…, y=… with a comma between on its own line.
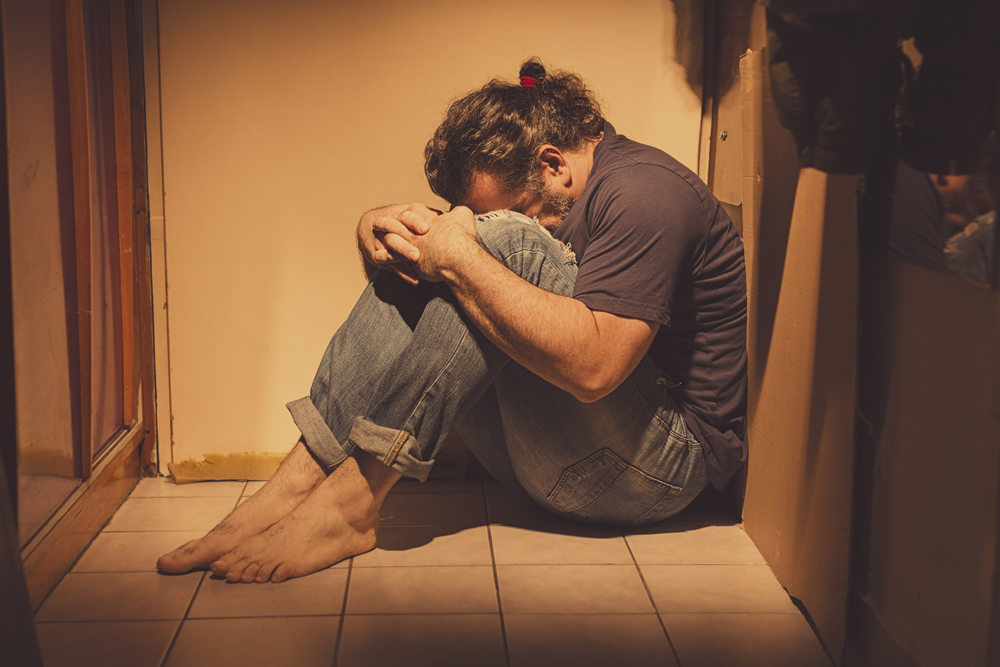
x=589, y=397
x=593, y=388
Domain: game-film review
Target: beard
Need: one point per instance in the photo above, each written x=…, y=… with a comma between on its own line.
x=559, y=204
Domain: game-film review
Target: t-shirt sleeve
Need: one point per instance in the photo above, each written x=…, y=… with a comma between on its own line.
x=646, y=224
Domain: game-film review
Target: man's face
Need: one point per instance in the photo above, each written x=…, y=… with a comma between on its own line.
x=486, y=194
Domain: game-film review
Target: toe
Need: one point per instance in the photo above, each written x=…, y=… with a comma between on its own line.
x=265, y=571
x=220, y=567
x=178, y=560
x=236, y=570
x=250, y=573
x=281, y=573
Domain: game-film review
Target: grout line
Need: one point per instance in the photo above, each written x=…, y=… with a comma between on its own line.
x=366, y=614
x=343, y=614
x=659, y=617
x=180, y=626
x=402, y=613
x=496, y=579
x=155, y=571
x=489, y=613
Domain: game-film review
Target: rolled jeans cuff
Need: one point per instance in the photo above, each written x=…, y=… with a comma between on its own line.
x=317, y=435
x=393, y=447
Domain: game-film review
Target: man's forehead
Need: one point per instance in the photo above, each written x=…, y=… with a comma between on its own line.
x=484, y=185
x=486, y=193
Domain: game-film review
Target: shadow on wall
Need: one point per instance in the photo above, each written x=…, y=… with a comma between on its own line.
x=688, y=38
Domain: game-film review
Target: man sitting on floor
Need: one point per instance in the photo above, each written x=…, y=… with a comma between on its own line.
x=600, y=372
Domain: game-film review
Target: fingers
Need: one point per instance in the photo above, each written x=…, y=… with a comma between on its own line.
x=390, y=237
x=395, y=225
x=407, y=273
x=417, y=221
x=380, y=254
x=400, y=247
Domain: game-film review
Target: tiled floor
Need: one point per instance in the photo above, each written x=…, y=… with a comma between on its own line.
x=465, y=574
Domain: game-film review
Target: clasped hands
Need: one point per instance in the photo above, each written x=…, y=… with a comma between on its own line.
x=417, y=242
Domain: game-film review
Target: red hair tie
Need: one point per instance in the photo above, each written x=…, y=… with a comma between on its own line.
x=529, y=82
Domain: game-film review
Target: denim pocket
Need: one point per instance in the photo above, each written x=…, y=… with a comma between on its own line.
x=603, y=488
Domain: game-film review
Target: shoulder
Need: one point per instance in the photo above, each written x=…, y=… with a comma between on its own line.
x=632, y=171
x=647, y=193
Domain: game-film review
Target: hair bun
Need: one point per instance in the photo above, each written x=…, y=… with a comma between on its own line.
x=533, y=69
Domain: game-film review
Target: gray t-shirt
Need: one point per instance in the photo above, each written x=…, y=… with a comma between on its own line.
x=653, y=243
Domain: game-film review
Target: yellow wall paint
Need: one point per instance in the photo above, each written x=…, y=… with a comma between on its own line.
x=282, y=122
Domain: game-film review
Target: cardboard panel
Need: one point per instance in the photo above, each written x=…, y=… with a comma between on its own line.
x=798, y=497
x=799, y=234
x=932, y=564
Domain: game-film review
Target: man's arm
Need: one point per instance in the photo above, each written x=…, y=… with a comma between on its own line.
x=587, y=353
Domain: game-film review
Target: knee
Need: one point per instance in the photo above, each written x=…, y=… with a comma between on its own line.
x=507, y=235
x=502, y=232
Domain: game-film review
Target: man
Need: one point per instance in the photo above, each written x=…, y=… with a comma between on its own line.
x=600, y=373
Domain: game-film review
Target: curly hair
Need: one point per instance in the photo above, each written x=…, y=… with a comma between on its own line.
x=498, y=129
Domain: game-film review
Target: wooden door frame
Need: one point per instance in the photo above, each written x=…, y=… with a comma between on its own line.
x=108, y=481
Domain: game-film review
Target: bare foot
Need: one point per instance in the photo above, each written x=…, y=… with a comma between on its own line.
x=338, y=520
x=297, y=477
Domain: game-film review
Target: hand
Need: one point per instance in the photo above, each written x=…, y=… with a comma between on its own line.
x=450, y=238
x=385, y=238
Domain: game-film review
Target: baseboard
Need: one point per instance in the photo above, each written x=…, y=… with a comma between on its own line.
x=233, y=465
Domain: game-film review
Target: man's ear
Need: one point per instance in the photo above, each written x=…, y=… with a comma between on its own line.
x=554, y=165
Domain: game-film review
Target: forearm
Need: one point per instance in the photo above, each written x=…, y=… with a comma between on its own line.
x=556, y=337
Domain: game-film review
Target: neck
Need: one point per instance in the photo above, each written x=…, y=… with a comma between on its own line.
x=581, y=162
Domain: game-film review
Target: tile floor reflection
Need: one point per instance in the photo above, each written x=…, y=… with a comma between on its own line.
x=465, y=574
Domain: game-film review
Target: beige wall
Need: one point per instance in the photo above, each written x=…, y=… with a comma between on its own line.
x=282, y=122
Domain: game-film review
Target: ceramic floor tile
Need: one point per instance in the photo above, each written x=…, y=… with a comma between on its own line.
x=572, y=589
x=587, y=640
x=409, y=485
x=422, y=641
x=147, y=514
x=510, y=509
x=105, y=644
x=422, y=590
x=319, y=594
x=126, y=596
x=716, y=588
x=303, y=641
x=164, y=487
x=253, y=487
x=744, y=640
x=578, y=545
x=400, y=546
x=706, y=545
x=434, y=509
x=131, y=552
